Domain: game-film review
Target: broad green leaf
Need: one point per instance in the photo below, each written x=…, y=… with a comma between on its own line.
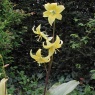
x=63, y=89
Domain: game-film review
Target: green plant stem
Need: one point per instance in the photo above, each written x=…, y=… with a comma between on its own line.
x=53, y=32
x=50, y=64
x=3, y=68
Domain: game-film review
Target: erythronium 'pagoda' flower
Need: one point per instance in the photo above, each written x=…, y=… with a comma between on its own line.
x=3, y=87
x=53, y=12
x=40, y=34
x=53, y=46
x=39, y=58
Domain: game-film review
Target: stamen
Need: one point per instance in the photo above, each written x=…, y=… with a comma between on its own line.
x=53, y=12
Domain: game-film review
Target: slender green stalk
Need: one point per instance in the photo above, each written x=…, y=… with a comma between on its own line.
x=53, y=31
x=50, y=64
x=3, y=67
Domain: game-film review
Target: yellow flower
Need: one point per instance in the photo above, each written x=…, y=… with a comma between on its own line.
x=3, y=87
x=39, y=33
x=38, y=57
x=53, y=46
x=53, y=12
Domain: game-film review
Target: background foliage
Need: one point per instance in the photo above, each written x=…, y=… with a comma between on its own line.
x=9, y=35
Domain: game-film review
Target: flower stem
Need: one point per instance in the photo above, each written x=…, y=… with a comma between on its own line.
x=3, y=67
x=53, y=32
x=50, y=64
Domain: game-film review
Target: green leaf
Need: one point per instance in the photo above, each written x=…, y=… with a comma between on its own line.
x=74, y=35
x=81, y=24
x=63, y=89
x=92, y=74
x=92, y=71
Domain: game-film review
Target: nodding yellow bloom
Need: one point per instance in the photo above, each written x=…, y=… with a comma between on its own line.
x=53, y=12
x=39, y=58
x=3, y=87
x=40, y=34
x=53, y=46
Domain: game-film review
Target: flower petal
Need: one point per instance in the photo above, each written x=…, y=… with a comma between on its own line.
x=47, y=59
x=59, y=16
x=46, y=14
x=33, y=56
x=51, y=51
x=38, y=29
x=44, y=35
x=53, y=6
x=47, y=6
x=49, y=45
x=58, y=42
x=43, y=60
x=38, y=57
x=51, y=19
x=60, y=8
x=49, y=38
x=38, y=53
x=34, y=30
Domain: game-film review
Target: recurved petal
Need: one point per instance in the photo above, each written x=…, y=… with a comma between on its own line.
x=38, y=53
x=43, y=60
x=33, y=56
x=34, y=30
x=61, y=42
x=59, y=16
x=49, y=45
x=60, y=8
x=38, y=29
x=58, y=42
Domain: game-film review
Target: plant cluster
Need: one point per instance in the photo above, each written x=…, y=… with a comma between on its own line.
x=53, y=12
x=9, y=36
